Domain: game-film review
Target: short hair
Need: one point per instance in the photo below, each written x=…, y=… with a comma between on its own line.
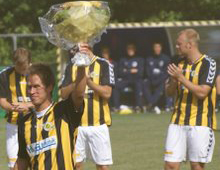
x=191, y=35
x=131, y=45
x=44, y=72
x=21, y=55
x=157, y=42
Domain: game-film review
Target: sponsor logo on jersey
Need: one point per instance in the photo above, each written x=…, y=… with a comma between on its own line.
x=42, y=146
x=24, y=99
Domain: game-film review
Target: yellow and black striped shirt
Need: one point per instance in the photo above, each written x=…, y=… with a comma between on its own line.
x=48, y=142
x=96, y=111
x=189, y=110
x=13, y=87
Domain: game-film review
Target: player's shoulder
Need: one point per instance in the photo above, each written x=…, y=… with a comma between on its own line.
x=103, y=61
x=209, y=62
x=6, y=70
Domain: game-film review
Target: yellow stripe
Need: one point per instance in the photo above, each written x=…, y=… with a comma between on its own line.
x=96, y=102
x=194, y=105
x=213, y=102
x=74, y=68
x=12, y=86
x=23, y=85
x=84, y=120
x=107, y=115
x=66, y=145
x=184, y=99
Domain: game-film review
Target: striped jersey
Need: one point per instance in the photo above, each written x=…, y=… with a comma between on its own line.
x=13, y=87
x=48, y=142
x=96, y=111
x=190, y=110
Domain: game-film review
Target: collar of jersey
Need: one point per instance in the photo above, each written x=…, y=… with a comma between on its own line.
x=94, y=58
x=199, y=59
x=47, y=110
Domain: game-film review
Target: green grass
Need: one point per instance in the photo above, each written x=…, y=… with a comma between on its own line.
x=137, y=143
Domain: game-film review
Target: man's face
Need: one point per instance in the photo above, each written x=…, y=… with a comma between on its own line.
x=182, y=45
x=157, y=49
x=39, y=93
x=131, y=50
x=22, y=68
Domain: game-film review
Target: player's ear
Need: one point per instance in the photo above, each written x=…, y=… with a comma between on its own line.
x=189, y=45
x=50, y=89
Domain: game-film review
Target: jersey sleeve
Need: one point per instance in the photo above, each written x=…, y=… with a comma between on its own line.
x=208, y=73
x=67, y=108
x=67, y=77
x=22, y=152
x=107, y=74
x=3, y=85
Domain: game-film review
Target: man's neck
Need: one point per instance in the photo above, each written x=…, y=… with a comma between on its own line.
x=43, y=106
x=193, y=57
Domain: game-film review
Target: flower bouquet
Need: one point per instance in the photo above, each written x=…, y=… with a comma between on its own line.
x=68, y=24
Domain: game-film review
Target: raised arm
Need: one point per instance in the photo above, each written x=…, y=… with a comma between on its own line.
x=103, y=91
x=79, y=88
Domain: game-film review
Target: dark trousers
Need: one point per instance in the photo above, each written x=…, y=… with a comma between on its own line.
x=136, y=84
x=153, y=93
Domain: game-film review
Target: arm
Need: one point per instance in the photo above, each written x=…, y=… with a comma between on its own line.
x=22, y=106
x=103, y=91
x=140, y=68
x=67, y=83
x=200, y=91
x=79, y=89
x=107, y=80
x=218, y=85
x=22, y=164
x=170, y=87
x=66, y=91
x=6, y=105
x=17, y=106
x=80, y=81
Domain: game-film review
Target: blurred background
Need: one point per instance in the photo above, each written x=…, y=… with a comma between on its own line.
x=141, y=22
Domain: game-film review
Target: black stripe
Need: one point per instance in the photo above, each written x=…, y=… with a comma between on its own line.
x=199, y=103
x=180, y=98
x=18, y=92
x=210, y=110
x=102, y=116
x=59, y=154
x=72, y=140
x=199, y=112
x=189, y=98
x=45, y=134
x=90, y=110
x=90, y=100
x=33, y=138
x=27, y=89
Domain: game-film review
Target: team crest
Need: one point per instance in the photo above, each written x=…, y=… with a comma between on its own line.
x=193, y=73
x=48, y=126
x=93, y=74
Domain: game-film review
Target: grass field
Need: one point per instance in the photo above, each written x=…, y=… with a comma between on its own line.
x=137, y=143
